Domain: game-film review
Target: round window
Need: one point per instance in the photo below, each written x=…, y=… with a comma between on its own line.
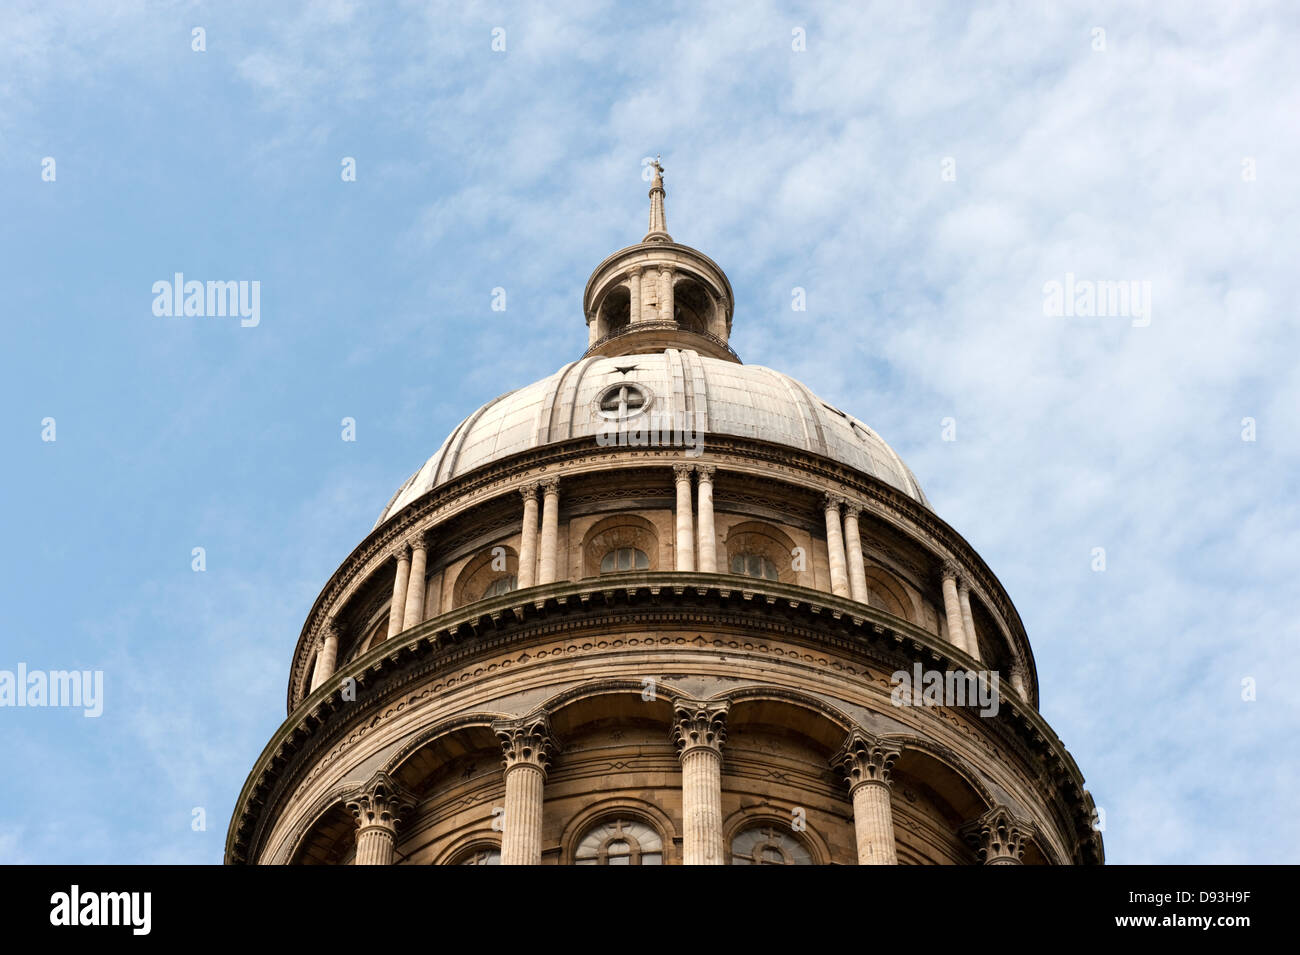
x=624, y=400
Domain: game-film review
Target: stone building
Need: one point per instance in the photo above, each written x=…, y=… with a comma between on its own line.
x=653, y=609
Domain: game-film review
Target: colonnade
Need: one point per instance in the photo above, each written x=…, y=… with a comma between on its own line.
x=538, y=556
x=844, y=548
x=699, y=732
x=960, y=624
x=695, y=548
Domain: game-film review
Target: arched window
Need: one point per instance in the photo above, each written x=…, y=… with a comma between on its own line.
x=624, y=558
x=486, y=575
x=768, y=845
x=502, y=585
x=483, y=855
x=693, y=307
x=765, y=552
x=606, y=539
x=754, y=565
x=615, y=311
x=620, y=842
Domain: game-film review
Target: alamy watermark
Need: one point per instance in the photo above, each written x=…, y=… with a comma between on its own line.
x=651, y=430
x=922, y=687
x=181, y=299
x=129, y=909
x=53, y=688
x=1084, y=298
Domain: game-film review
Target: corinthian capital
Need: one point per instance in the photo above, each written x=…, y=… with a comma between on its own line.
x=529, y=492
x=525, y=742
x=706, y=471
x=998, y=837
x=550, y=485
x=948, y=569
x=864, y=759
x=380, y=803
x=682, y=472
x=699, y=723
x=832, y=502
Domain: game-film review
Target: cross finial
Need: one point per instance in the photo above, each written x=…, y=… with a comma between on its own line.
x=658, y=221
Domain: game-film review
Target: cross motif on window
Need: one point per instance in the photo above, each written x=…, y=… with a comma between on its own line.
x=625, y=400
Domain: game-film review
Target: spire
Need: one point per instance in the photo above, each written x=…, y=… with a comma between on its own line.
x=658, y=223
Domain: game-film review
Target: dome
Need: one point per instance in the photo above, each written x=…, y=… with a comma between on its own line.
x=658, y=516
x=714, y=396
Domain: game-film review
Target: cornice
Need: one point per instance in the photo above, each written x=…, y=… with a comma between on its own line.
x=383, y=672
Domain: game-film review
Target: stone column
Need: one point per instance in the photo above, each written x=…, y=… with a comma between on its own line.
x=550, y=529
x=853, y=544
x=398, y=606
x=967, y=618
x=666, y=294
x=866, y=763
x=699, y=730
x=718, y=322
x=684, y=548
x=634, y=287
x=952, y=606
x=998, y=837
x=326, y=655
x=378, y=807
x=835, y=547
x=526, y=750
x=528, y=538
x=708, y=555
x=414, y=612
x=1018, y=682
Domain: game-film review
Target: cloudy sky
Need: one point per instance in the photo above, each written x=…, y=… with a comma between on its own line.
x=922, y=171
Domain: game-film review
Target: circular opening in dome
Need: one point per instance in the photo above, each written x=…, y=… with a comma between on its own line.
x=624, y=400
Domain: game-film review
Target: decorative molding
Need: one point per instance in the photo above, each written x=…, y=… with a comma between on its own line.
x=699, y=724
x=864, y=759
x=380, y=803
x=998, y=837
x=525, y=742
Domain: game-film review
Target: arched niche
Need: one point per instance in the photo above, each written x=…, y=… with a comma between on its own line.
x=694, y=306
x=497, y=563
x=615, y=532
x=763, y=540
x=330, y=838
x=446, y=754
x=615, y=311
x=886, y=592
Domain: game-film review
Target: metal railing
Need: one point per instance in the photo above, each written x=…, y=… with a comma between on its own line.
x=659, y=326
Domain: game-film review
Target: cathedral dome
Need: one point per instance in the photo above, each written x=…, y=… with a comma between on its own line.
x=692, y=392
x=650, y=610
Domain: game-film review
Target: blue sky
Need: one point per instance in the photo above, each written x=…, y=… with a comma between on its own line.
x=821, y=169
